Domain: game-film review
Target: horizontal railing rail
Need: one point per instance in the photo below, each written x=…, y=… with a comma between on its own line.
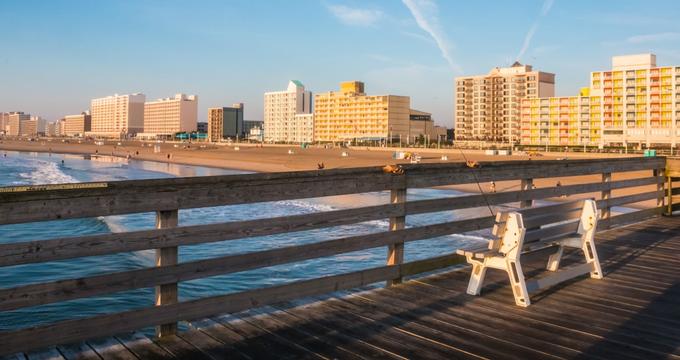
x=123, y=197
x=167, y=196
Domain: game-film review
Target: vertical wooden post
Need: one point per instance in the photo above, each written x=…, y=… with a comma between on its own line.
x=395, y=253
x=669, y=194
x=658, y=175
x=606, y=195
x=167, y=293
x=526, y=184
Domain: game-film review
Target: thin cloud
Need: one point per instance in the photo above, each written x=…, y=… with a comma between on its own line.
x=355, y=16
x=545, y=9
x=660, y=37
x=547, y=5
x=425, y=13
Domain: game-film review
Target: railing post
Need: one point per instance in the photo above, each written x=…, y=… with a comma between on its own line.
x=167, y=293
x=606, y=195
x=669, y=194
x=395, y=253
x=526, y=184
x=658, y=175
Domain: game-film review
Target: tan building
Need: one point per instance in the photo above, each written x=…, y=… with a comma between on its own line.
x=17, y=124
x=636, y=103
x=29, y=127
x=351, y=114
x=164, y=118
x=4, y=121
x=75, y=125
x=281, y=123
x=117, y=115
x=487, y=107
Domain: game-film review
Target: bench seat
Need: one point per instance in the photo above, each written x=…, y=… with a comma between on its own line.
x=519, y=232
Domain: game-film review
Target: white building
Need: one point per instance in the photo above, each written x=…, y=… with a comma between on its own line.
x=117, y=115
x=168, y=116
x=40, y=124
x=288, y=114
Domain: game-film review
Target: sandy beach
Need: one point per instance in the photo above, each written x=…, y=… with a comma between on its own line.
x=277, y=158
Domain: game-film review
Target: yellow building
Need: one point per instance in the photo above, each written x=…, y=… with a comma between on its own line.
x=634, y=104
x=351, y=114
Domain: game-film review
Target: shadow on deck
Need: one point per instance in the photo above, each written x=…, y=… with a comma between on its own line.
x=632, y=313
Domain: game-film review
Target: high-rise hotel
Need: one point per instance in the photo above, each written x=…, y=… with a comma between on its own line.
x=636, y=103
x=288, y=114
x=75, y=125
x=117, y=115
x=487, y=107
x=351, y=114
x=163, y=118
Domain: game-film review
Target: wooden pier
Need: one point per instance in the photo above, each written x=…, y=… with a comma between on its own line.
x=632, y=313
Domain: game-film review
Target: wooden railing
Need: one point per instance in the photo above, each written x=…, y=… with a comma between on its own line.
x=167, y=196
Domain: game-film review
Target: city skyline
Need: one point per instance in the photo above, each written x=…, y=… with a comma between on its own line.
x=410, y=48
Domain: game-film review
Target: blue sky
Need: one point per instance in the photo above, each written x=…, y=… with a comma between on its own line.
x=57, y=55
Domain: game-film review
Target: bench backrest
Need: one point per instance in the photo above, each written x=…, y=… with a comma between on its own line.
x=546, y=222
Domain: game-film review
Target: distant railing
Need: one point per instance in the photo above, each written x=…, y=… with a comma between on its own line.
x=167, y=196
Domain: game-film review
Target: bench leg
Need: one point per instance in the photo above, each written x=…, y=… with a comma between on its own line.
x=476, y=279
x=519, y=286
x=554, y=259
x=592, y=258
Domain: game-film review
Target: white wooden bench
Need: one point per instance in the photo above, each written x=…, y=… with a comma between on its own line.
x=554, y=227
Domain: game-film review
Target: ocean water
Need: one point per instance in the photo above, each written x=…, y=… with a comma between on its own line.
x=37, y=168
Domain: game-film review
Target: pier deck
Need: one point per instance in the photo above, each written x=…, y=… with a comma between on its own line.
x=632, y=313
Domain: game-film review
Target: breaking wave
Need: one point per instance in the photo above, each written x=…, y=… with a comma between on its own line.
x=47, y=172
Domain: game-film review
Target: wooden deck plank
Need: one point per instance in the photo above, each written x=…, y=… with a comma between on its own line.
x=45, y=354
x=405, y=344
x=217, y=331
x=436, y=310
x=17, y=356
x=78, y=351
x=111, y=349
x=459, y=334
x=556, y=300
x=208, y=345
x=140, y=345
x=250, y=347
x=252, y=333
x=290, y=333
x=570, y=322
x=332, y=336
x=179, y=348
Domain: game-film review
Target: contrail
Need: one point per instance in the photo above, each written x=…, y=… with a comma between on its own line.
x=547, y=5
x=430, y=24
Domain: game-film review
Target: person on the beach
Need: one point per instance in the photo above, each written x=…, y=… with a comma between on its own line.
x=492, y=187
